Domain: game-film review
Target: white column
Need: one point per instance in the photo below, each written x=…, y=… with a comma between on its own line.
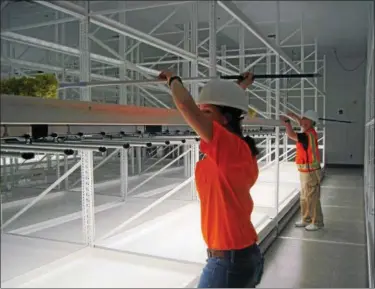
x=212, y=30
x=137, y=77
x=62, y=59
x=132, y=157
x=58, y=172
x=84, y=59
x=194, y=159
x=194, y=47
x=132, y=73
x=277, y=112
x=186, y=73
x=124, y=173
x=324, y=110
x=302, y=68
x=316, y=79
x=268, y=107
x=66, y=168
x=223, y=55
x=241, y=41
x=285, y=101
x=123, y=97
x=139, y=159
x=88, y=213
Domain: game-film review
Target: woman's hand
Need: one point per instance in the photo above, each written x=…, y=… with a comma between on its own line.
x=166, y=75
x=248, y=79
x=283, y=118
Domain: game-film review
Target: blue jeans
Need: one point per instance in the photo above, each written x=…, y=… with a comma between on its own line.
x=232, y=272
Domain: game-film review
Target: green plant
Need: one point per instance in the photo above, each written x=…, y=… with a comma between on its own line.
x=42, y=85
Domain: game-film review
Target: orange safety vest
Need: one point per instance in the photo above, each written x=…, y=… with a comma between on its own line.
x=308, y=160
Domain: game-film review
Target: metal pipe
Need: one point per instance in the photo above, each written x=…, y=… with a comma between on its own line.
x=39, y=197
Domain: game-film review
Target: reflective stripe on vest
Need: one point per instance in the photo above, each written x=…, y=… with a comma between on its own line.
x=308, y=160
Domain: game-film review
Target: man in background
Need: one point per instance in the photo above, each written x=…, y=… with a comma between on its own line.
x=308, y=164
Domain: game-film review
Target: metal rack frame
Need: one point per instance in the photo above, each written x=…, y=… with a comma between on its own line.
x=194, y=64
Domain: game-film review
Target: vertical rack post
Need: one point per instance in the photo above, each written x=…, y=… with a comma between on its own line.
x=194, y=46
x=316, y=71
x=241, y=34
x=66, y=168
x=186, y=73
x=193, y=161
x=124, y=173
x=139, y=159
x=324, y=110
x=132, y=157
x=58, y=172
x=285, y=101
x=84, y=58
x=277, y=113
x=88, y=213
x=123, y=97
x=223, y=55
x=269, y=106
x=302, y=68
x=212, y=30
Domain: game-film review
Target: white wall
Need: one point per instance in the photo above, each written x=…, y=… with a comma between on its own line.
x=346, y=90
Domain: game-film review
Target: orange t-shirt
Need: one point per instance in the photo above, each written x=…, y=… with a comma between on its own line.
x=223, y=180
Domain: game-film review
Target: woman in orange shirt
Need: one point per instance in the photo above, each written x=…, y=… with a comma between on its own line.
x=223, y=180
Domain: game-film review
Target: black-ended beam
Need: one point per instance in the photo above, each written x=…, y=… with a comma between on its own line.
x=185, y=80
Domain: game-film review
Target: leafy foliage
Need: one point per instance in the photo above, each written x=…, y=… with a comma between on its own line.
x=43, y=85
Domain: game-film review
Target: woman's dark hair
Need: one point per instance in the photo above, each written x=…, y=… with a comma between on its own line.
x=234, y=118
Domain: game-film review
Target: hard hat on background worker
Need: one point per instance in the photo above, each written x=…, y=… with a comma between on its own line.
x=311, y=115
x=224, y=93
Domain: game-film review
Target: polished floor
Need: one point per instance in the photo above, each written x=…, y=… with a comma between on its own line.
x=334, y=257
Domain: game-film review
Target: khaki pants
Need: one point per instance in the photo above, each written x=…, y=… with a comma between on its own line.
x=311, y=209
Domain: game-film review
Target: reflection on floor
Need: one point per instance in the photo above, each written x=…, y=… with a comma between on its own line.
x=170, y=237
x=332, y=257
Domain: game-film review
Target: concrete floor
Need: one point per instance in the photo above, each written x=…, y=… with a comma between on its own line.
x=332, y=257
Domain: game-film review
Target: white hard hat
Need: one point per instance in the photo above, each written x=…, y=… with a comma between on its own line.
x=311, y=115
x=225, y=93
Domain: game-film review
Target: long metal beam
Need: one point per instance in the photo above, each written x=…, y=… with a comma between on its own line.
x=186, y=80
x=236, y=13
x=20, y=110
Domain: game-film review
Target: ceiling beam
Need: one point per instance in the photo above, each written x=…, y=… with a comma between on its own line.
x=237, y=14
